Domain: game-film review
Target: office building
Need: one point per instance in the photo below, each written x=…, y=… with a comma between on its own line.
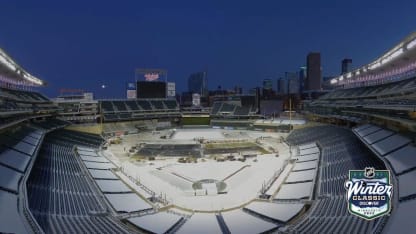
x=268, y=88
x=292, y=82
x=302, y=79
x=197, y=83
x=313, y=72
x=346, y=66
x=282, y=86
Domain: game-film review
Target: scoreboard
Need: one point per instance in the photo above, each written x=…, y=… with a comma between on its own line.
x=154, y=89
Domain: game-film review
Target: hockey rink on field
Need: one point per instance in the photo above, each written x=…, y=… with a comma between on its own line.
x=204, y=170
x=189, y=134
x=172, y=180
x=242, y=187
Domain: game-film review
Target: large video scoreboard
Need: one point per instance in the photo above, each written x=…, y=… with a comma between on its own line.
x=153, y=89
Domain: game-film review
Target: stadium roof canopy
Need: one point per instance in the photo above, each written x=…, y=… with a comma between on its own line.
x=397, y=61
x=11, y=72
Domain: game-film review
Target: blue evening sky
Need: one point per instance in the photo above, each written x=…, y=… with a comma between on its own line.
x=84, y=44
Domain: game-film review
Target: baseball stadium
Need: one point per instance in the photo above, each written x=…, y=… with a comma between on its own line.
x=148, y=165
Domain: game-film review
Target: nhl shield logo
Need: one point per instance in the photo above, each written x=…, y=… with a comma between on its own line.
x=369, y=192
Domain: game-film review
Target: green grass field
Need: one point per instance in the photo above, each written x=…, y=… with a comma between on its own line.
x=195, y=120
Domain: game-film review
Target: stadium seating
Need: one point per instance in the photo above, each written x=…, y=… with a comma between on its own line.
x=120, y=196
x=215, y=108
x=107, y=106
x=18, y=105
x=220, y=109
x=74, y=137
x=391, y=100
x=242, y=111
x=122, y=110
x=19, y=100
x=162, y=222
x=157, y=104
x=18, y=147
x=120, y=106
x=145, y=105
x=341, y=152
x=171, y=104
x=60, y=194
x=373, y=91
x=277, y=212
x=397, y=151
x=239, y=221
x=50, y=124
x=20, y=95
x=202, y=223
x=132, y=105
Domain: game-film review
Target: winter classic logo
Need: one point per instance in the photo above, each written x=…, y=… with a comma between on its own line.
x=369, y=192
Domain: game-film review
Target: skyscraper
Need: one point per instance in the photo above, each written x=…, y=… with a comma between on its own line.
x=346, y=65
x=256, y=93
x=281, y=86
x=293, y=82
x=267, y=88
x=313, y=71
x=197, y=83
x=302, y=78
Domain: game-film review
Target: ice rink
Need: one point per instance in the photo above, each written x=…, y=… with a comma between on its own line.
x=205, y=170
x=189, y=134
x=242, y=187
x=172, y=180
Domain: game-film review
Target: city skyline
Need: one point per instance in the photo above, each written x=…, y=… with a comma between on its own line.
x=235, y=44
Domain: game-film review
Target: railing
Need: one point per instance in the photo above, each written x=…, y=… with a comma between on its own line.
x=276, y=175
x=159, y=198
x=23, y=197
